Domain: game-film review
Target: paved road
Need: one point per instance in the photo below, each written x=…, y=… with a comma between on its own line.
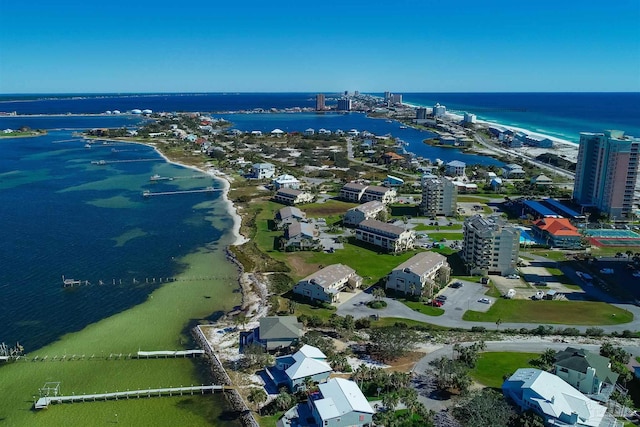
x=460, y=300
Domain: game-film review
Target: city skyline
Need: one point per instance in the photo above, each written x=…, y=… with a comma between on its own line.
x=284, y=46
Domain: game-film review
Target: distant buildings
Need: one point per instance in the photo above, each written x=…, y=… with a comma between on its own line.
x=439, y=196
x=553, y=399
x=421, y=113
x=344, y=104
x=490, y=245
x=326, y=284
x=395, y=99
x=420, y=271
x=369, y=210
x=263, y=170
x=606, y=172
x=320, y=102
x=469, y=118
x=354, y=192
x=439, y=110
x=387, y=236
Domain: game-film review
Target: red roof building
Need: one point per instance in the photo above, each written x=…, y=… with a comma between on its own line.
x=557, y=232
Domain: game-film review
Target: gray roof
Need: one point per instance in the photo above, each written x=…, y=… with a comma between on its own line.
x=289, y=192
x=579, y=360
x=489, y=224
x=329, y=275
x=383, y=227
x=376, y=189
x=290, y=211
x=457, y=164
x=422, y=262
x=263, y=165
x=276, y=327
x=369, y=206
x=353, y=186
x=512, y=166
x=299, y=228
x=340, y=397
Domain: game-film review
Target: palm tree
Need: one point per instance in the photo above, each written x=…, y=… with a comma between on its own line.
x=390, y=400
x=257, y=396
x=379, y=293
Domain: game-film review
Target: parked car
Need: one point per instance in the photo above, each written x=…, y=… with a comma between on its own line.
x=456, y=285
x=436, y=303
x=441, y=297
x=485, y=300
x=513, y=276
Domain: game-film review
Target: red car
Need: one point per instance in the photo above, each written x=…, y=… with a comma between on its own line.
x=436, y=303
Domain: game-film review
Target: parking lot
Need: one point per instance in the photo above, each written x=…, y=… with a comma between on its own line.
x=465, y=298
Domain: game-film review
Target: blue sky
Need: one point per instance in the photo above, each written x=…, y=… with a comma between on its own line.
x=74, y=46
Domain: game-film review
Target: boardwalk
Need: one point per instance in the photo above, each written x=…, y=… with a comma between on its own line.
x=44, y=402
x=148, y=193
x=169, y=353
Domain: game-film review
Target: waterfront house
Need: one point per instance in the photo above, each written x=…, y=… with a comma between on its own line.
x=377, y=193
x=288, y=196
x=295, y=370
x=387, y=236
x=513, y=170
x=391, y=157
x=274, y=332
x=277, y=133
x=421, y=271
x=326, y=284
x=541, y=180
x=369, y=210
x=553, y=399
x=588, y=372
x=393, y=181
x=300, y=236
x=455, y=168
x=309, y=132
x=288, y=215
x=263, y=170
x=286, y=181
x=352, y=192
x=340, y=403
x=557, y=233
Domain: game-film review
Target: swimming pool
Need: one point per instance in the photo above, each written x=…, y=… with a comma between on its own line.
x=527, y=239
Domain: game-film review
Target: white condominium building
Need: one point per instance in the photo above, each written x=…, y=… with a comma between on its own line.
x=491, y=245
x=439, y=196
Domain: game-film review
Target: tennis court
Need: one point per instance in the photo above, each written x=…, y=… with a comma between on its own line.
x=605, y=237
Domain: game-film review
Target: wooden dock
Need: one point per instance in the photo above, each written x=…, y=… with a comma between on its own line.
x=148, y=193
x=44, y=402
x=108, y=162
x=169, y=353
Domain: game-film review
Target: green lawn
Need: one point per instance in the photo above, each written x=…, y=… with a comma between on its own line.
x=493, y=366
x=424, y=227
x=423, y=308
x=472, y=199
x=559, y=276
x=563, y=312
x=449, y=236
x=554, y=255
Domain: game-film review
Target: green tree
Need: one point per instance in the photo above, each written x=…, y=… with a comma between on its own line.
x=257, y=396
x=378, y=293
x=391, y=343
x=485, y=408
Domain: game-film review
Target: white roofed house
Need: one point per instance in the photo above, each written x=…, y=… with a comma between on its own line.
x=385, y=195
x=294, y=370
x=340, y=403
x=277, y=133
x=263, y=170
x=423, y=270
x=300, y=236
x=553, y=399
x=387, y=236
x=326, y=284
x=369, y=210
x=352, y=192
x=455, y=168
x=541, y=180
x=309, y=132
x=286, y=181
x=288, y=196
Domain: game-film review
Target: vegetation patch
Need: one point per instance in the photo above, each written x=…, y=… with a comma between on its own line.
x=328, y=208
x=376, y=304
x=492, y=367
x=562, y=312
x=424, y=308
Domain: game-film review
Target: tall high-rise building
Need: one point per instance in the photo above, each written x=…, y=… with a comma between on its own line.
x=396, y=98
x=421, y=113
x=387, y=96
x=439, y=196
x=344, y=104
x=320, y=102
x=606, y=173
x=491, y=245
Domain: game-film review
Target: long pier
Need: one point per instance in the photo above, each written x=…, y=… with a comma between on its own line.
x=148, y=193
x=108, y=162
x=169, y=353
x=44, y=402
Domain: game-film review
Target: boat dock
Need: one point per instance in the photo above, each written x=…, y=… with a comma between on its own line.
x=44, y=402
x=148, y=193
x=171, y=178
x=108, y=162
x=169, y=353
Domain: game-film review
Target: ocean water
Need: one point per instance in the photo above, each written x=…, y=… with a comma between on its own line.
x=563, y=115
x=63, y=215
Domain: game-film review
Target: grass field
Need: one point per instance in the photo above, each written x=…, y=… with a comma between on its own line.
x=449, y=236
x=493, y=366
x=423, y=308
x=562, y=312
x=424, y=227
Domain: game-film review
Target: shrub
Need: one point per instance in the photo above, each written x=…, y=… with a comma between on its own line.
x=377, y=304
x=594, y=332
x=478, y=329
x=363, y=323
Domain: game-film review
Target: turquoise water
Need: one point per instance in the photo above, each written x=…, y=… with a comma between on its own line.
x=628, y=234
x=63, y=215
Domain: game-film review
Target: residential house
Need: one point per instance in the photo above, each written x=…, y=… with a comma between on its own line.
x=309, y=132
x=274, y=332
x=300, y=236
x=286, y=181
x=393, y=181
x=557, y=232
x=541, y=180
x=387, y=236
x=385, y=195
x=288, y=196
x=352, y=192
x=421, y=271
x=455, y=168
x=588, y=372
x=369, y=210
x=496, y=184
x=340, y=403
x=513, y=170
x=277, y=133
x=286, y=216
x=263, y=170
x=552, y=398
x=294, y=371
x=465, y=187
x=326, y=284
x=391, y=157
